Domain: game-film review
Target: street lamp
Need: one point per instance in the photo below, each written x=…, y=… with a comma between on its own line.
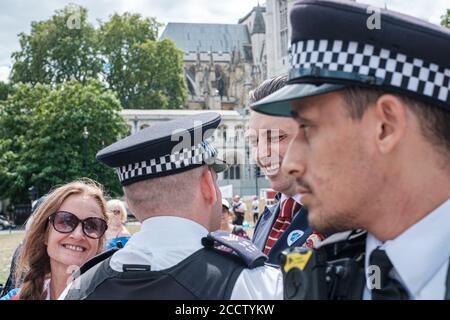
x=32, y=193
x=257, y=174
x=245, y=118
x=241, y=138
x=85, y=141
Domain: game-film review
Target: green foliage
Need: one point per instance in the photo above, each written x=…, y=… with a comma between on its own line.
x=41, y=140
x=59, y=49
x=123, y=52
x=146, y=74
x=5, y=90
x=445, y=19
x=57, y=88
x=156, y=80
x=121, y=32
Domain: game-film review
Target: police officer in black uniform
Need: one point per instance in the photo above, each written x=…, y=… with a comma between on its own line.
x=370, y=90
x=169, y=176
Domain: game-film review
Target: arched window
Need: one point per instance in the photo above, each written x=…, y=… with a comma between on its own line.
x=234, y=171
x=238, y=134
x=222, y=133
x=284, y=40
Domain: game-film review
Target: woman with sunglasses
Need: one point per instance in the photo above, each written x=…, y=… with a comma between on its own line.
x=68, y=229
x=117, y=234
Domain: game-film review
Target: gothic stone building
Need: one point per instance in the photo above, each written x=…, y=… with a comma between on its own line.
x=222, y=62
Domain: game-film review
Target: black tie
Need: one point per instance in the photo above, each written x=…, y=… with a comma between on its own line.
x=391, y=289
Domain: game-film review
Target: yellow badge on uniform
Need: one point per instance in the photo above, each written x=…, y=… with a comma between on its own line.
x=297, y=260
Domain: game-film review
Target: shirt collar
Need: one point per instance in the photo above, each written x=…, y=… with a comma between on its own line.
x=420, y=251
x=296, y=197
x=162, y=242
x=171, y=231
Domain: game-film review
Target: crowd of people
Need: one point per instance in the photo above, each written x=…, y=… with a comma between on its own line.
x=356, y=142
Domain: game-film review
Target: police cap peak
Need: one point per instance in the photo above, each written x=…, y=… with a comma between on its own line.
x=165, y=148
x=336, y=44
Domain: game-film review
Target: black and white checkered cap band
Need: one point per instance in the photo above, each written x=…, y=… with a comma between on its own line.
x=390, y=68
x=197, y=154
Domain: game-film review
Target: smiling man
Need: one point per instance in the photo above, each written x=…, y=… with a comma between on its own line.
x=373, y=147
x=286, y=223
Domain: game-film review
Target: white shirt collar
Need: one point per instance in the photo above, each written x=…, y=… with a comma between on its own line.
x=172, y=224
x=420, y=251
x=161, y=243
x=296, y=197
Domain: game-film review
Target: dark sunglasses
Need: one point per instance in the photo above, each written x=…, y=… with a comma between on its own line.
x=66, y=222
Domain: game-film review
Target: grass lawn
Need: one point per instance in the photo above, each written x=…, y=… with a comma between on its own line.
x=133, y=228
x=8, y=243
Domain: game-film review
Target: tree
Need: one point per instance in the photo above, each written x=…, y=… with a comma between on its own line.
x=145, y=73
x=41, y=141
x=445, y=19
x=59, y=49
x=5, y=90
x=158, y=81
x=123, y=52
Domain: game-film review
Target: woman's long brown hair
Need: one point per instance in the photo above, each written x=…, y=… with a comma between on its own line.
x=34, y=263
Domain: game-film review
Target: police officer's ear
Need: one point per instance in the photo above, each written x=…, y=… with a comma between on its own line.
x=208, y=186
x=391, y=116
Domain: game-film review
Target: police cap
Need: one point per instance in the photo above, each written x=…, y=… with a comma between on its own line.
x=339, y=44
x=164, y=149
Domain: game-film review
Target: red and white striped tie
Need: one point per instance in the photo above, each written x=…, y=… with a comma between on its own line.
x=288, y=208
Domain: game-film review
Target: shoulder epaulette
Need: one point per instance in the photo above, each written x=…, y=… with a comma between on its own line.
x=245, y=249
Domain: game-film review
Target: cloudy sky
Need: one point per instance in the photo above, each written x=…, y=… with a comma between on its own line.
x=17, y=15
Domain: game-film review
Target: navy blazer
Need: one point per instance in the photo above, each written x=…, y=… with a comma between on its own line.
x=294, y=236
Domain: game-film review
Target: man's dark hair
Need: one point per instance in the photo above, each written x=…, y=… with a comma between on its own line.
x=266, y=88
x=434, y=121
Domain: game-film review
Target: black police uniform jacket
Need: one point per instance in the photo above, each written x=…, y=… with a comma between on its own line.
x=208, y=274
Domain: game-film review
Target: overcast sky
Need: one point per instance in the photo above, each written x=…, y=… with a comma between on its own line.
x=17, y=15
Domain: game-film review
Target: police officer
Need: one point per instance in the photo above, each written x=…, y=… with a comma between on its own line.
x=169, y=176
x=372, y=101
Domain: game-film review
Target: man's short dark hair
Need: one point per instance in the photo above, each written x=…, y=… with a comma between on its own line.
x=434, y=121
x=266, y=88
